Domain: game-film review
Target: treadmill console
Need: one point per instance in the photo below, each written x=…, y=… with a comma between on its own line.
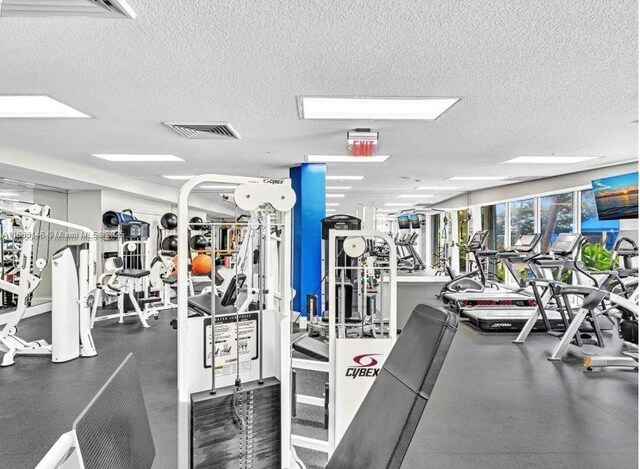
x=527, y=243
x=477, y=241
x=565, y=243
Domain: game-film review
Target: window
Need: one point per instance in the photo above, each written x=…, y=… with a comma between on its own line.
x=556, y=216
x=493, y=220
x=435, y=240
x=601, y=234
x=522, y=218
x=463, y=236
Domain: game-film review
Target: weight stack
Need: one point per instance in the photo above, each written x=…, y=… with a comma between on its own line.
x=221, y=440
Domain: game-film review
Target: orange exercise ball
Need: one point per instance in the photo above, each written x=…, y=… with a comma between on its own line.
x=201, y=264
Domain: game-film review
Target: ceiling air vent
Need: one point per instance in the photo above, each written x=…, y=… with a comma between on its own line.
x=87, y=8
x=204, y=130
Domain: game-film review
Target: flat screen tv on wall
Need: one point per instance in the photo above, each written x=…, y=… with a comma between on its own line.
x=415, y=220
x=616, y=196
x=403, y=222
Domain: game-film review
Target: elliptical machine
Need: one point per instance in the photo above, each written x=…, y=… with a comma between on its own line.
x=475, y=280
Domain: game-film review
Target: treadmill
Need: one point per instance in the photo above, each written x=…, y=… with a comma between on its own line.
x=494, y=310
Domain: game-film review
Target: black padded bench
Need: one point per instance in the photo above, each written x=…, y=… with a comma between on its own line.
x=381, y=430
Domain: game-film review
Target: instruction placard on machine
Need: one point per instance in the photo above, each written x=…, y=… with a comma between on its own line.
x=230, y=328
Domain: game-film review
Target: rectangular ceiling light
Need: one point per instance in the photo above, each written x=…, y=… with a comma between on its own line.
x=332, y=204
x=550, y=159
x=345, y=178
x=330, y=210
x=415, y=196
x=438, y=188
x=83, y=8
x=476, y=178
x=346, y=159
x=404, y=204
x=339, y=188
x=334, y=196
x=178, y=177
x=122, y=158
x=36, y=106
x=8, y=194
x=325, y=107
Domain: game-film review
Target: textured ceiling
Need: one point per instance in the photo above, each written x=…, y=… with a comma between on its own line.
x=536, y=77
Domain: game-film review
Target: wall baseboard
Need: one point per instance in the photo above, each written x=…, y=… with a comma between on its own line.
x=35, y=310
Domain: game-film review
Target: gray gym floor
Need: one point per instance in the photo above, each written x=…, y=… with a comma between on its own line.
x=495, y=405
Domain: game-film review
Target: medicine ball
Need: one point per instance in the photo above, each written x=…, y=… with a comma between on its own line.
x=194, y=223
x=198, y=242
x=169, y=221
x=170, y=243
x=201, y=264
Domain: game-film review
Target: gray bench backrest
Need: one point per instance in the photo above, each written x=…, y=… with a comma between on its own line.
x=380, y=433
x=113, y=431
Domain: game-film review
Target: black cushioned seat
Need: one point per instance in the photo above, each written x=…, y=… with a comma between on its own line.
x=132, y=273
x=201, y=304
x=383, y=427
x=314, y=348
x=172, y=280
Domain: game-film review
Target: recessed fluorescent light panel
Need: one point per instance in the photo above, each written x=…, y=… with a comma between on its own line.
x=438, y=188
x=8, y=194
x=346, y=159
x=550, y=159
x=415, y=196
x=318, y=107
x=126, y=158
x=338, y=188
x=332, y=204
x=345, y=178
x=334, y=196
x=404, y=204
x=477, y=178
x=178, y=177
x=36, y=107
x=330, y=210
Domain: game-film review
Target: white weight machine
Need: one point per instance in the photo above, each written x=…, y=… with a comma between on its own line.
x=223, y=379
x=73, y=284
x=356, y=353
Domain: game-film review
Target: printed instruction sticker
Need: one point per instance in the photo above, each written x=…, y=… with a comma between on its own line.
x=244, y=333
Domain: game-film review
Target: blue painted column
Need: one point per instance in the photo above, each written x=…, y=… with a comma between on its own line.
x=309, y=183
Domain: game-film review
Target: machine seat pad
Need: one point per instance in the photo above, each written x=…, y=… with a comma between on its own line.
x=314, y=348
x=172, y=280
x=150, y=300
x=132, y=273
x=201, y=305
